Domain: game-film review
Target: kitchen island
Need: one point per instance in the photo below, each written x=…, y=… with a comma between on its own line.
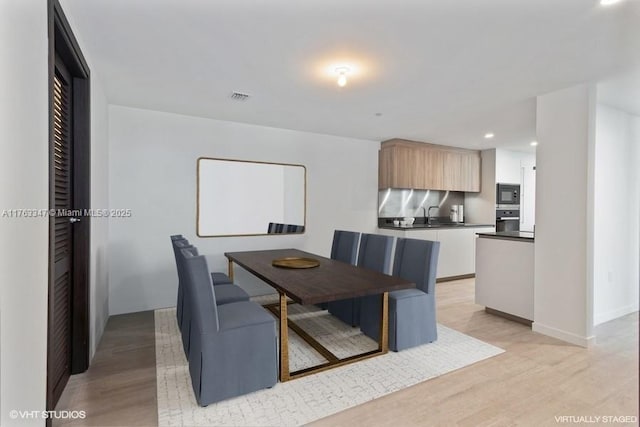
x=504, y=274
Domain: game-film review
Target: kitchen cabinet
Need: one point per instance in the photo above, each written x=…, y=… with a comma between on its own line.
x=417, y=165
x=456, y=252
x=457, y=247
x=432, y=168
x=401, y=166
x=461, y=171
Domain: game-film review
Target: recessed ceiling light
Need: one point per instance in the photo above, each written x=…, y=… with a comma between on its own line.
x=608, y=2
x=533, y=143
x=489, y=135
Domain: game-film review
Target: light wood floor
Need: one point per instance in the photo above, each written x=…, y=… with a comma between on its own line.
x=119, y=388
x=535, y=380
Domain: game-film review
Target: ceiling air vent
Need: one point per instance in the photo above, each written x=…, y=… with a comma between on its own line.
x=239, y=96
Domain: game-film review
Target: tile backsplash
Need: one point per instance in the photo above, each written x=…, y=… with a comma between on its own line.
x=400, y=202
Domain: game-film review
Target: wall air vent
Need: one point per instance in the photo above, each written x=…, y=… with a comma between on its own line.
x=239, y=96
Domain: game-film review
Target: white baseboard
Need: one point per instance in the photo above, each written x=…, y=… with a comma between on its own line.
x=569, y=337
x=599, y=318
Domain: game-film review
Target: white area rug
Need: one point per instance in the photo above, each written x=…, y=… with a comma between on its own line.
x=316, y=396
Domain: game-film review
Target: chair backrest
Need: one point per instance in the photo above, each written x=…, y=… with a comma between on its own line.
x=375, y=252
x=177, y=237
x=178, y=245
x=345, y=246
x=417, y=260
x=277, y=228
x=204, y=312
x=293, y=228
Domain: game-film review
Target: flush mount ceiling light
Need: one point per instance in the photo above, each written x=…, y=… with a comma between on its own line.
x=533, y=143
x=489, y=135
x=342, y=75
x=608, y=2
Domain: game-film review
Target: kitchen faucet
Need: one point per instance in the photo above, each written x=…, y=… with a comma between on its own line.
x=428, y=221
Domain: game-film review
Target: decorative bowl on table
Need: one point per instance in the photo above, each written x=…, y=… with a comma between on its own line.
x=295, y=262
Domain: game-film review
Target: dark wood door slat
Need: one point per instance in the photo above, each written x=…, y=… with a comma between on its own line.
x=60, y=335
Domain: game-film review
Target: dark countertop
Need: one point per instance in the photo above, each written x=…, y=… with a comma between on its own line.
x=509, y=235
x=433, y=226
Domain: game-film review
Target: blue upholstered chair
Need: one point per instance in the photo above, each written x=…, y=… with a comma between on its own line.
x=345, y=249
x=374, y=254
x=412, y=312
x=218, y=278
x=276, y=228
x=345, y=246
x=178, y=245
x=294, y=228
x=225, y=294
x=233, y=348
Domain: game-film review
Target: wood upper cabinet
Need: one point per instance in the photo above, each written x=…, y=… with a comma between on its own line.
x=400, y=166
x=431, y=169
x=408, y=164
x=461, y=171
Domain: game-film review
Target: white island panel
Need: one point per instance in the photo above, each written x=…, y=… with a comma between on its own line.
x=504, y=275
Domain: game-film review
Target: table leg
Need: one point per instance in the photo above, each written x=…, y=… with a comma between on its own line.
x=231, y=270
x=384, y=324
x=284, y=339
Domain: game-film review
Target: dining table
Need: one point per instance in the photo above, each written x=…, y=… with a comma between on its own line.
x=322, y=281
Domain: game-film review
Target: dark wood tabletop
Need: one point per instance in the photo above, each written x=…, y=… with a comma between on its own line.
x=332, y=280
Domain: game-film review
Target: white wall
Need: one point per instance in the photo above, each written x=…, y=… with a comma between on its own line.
x=99, y=285
x=480, y=208
x=152, y=161
x=565, y=132
x=509, y=163
x=616, y=215
x=635, y=132
x=24, y=111
x=99, y=279
x=24, y=165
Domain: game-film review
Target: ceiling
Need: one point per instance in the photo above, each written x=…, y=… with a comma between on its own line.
x=443, y=71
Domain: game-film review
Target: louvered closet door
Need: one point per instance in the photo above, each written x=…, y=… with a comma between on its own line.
x=60, y=299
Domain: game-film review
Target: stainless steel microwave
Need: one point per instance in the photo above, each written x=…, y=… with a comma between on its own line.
x=507, y=194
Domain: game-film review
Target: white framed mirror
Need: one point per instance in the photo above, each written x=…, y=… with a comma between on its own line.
x=249, y=198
